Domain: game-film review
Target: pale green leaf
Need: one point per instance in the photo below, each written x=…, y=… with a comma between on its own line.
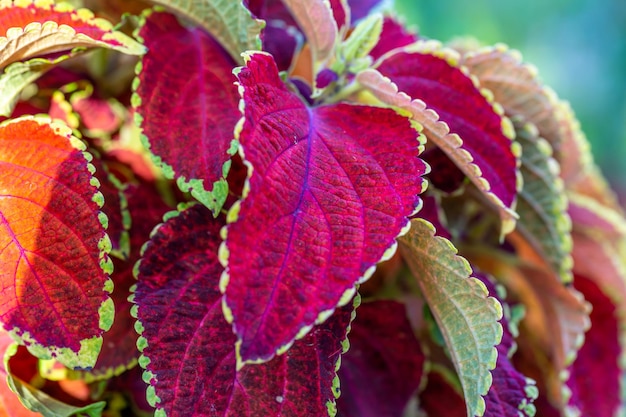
x=228, y=21
x=363, y=38
x=542, y=205
x=467, y=317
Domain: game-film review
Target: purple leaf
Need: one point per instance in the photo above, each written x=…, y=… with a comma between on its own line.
x=361, y=8
x=330, y=190
x=187, y=106
x=428, y=74
x=383, y=367
x=188, y=347
x=282, y=42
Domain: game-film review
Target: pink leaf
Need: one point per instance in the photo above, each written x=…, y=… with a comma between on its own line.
x=188, y=347
x=330, y=190
x=188, y=106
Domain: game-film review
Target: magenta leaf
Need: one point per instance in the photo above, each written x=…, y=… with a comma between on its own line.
x=187, y=106
x=188, y=347
x=53, y=246
x=330, y=190
x=383, y=367
x=430, y=74
x=394, y=35
x=596, y=373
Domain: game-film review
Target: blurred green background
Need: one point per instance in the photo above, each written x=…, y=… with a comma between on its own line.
x=579, y=47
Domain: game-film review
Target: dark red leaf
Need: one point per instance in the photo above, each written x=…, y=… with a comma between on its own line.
x=383, y=367
x=440, y=398
x=394, y=35
x=331, y=189
x=596, y=373
x=188, y=347
x=52, y=243
x=188, y=106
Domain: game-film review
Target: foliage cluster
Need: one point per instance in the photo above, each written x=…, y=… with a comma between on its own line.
x=294, y=208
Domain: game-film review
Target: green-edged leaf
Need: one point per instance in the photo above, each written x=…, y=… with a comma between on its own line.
x=38, y=402
x=318, y=24
x=329, y=190
x=227, y=21
x=188, y=349
x=50, y=205
x=467, y=317
x=542, y=206
x=591, y=216
x=30, y=29
x=187, y=106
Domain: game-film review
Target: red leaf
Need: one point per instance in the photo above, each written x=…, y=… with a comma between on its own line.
x=52, y=243
x=189, y=353
x=431, y=76
x=383, y=367
x=441, y=398
x=330, y=190
x=595, y=375
x=188, y=106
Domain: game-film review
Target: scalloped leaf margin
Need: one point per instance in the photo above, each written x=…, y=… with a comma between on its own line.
x=57, y=306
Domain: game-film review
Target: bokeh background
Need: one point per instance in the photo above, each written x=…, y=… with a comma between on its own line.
x=579, y=47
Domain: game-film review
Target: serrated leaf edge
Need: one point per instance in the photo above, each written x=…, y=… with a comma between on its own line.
x=479, y=406
x=438, y=131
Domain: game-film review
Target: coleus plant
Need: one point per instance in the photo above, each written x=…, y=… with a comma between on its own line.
x=201, y=208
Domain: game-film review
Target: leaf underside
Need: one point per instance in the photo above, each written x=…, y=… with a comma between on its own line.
x=467, y=317
x=329, y=192
x=542, y=205
x=49, y=206
x=33, y=29
x=189, y=349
